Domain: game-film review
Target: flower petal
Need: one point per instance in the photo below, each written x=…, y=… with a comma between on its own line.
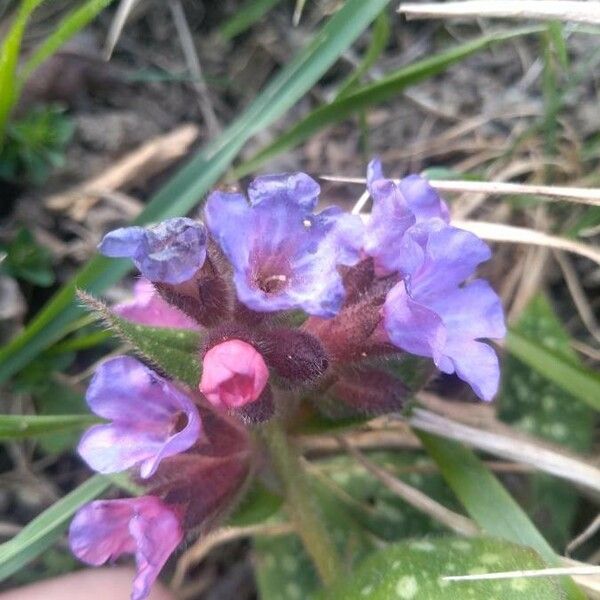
x=477, y=364
x=295, y=188
x=411, y=325
x=283, y=255
x=105, y=529
x=146, y=412
x=170, y=252
x=147, y=307
x=422, y=199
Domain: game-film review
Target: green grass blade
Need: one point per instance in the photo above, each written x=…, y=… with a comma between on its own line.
x=68, y=26
x=9, y=58
x=41, y=533
x=246, y=15
x=372, y=94
x=578, y=381
x=488, y=502
x=379, y=40
x=14, y=427
x=186, y=188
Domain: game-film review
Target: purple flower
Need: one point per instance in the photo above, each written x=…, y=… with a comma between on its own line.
x=151, y=418
x=428, y=313
x=147, y=307
x=283, y=255
x=396, y=208
x=105, y=529
x=170, y=252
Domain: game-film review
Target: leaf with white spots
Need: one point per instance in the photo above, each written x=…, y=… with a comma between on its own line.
x=283, y=569
x=414, y=570
x=530, y=402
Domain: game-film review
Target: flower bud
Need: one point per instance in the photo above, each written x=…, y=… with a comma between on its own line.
x=296, y=356
x=364, y=391
x=234, y=374
x=208, y=296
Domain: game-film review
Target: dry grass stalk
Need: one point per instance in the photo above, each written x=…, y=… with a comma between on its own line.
x=116, y=27
x=562, y=10
x=590, y=196
x=578, y=294
x=498, y=232
x=193, y=64
x=584, y=536
x=551, y=572
x=509, y=444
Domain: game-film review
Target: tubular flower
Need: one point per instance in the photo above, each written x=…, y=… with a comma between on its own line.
x=429, y=312
x=146, y=527
x=147, y=307
x=152, y=418
x=284, y=256
x=170, y=252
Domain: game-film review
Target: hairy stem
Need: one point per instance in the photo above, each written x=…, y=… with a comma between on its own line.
x=303, y=508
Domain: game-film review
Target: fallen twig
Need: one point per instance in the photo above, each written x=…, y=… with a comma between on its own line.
x=143, y=162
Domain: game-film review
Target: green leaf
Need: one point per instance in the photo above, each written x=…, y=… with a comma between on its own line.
x=530, y=402
x=73, y=22
x=284, y=569
x=374, y=506
x=9, y=58
x=173, y=351
x=25, y=426
x=257, y=505
x=245, y=16
x=569, y=376
x=488, y=503
x=28, y=260
x=184, y=190
x=415, y=569
x=371, y=94
x=39, y=535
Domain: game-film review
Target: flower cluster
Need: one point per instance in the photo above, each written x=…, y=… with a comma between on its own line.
x=287, y=301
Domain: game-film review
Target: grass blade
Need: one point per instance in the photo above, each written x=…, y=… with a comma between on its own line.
x=245, y=16
x=371, y=94
x=578, y=381
x=379, y=40
x=185, y=189
x=487, y=501
x=39, y=535
x=69, y=26
x=9, y=58
x=13, y=427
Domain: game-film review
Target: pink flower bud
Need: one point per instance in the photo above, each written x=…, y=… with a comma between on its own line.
x=233, y=374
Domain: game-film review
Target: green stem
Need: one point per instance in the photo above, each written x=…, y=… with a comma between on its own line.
x=301, y=504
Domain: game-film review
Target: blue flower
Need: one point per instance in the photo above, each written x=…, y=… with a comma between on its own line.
x=396, y=208
x=430, y=312
x=283, y=255
x=170, y=252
